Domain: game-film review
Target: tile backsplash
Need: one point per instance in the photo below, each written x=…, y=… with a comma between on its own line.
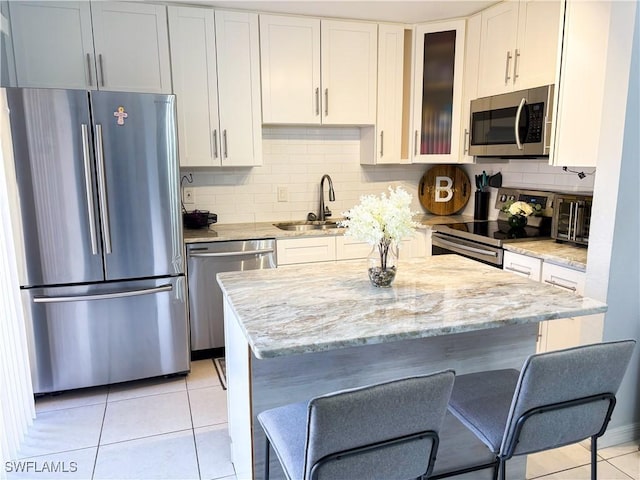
x=296, y=158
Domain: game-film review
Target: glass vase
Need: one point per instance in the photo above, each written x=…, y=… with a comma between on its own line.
x=383, y=265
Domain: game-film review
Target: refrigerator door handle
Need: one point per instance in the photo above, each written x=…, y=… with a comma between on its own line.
x=102, y=190
x=89, y=188
x=101, y=296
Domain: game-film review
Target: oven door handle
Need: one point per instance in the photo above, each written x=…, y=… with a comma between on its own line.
x=480, y=251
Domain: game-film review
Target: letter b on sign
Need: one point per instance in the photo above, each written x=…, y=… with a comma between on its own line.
x=443, y=190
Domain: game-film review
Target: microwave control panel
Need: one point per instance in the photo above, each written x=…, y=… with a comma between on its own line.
x=536, y=123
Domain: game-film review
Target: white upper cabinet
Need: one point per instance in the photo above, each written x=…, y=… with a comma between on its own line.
x=301, y=85
x=385, y=143
x=216, y=81
x=349, y=53
x=470, y=82
x=592, y=82
x=437, y=91
x=99, y=45
x=519, y=46
x=238, y=55
x=53, y=44
x=193, y=59
x=132, y=47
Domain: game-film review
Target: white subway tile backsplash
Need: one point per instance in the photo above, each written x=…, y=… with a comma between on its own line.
x=297, y=157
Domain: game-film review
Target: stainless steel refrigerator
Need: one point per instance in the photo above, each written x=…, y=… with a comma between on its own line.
x=102, y=266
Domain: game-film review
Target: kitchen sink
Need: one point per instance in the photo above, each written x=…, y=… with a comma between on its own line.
x=308, y=225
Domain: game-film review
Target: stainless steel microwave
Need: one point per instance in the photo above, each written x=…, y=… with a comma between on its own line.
x=516, y=124
x=571, y=218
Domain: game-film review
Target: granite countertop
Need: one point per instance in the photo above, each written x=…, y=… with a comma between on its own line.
x=302, y=308
x=260, y=230
x=553, y=252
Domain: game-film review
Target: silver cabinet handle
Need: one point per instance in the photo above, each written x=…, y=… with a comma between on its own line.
x=518, y=113
x=89, y=69
x=224, y=144
x=102, y=296
x=467, y=138
x=264, y=251
x=517, y=270
x=102, y=191
x=515, y=66
x=326, y=102
x=556, y=284
x=481, y=251
x=215, y=144
x=101, y=69
x=381, y=143
x=317, y=101
x=506, y=69
x=415, y=144
x=88, y=184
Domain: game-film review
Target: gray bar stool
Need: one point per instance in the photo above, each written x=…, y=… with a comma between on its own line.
x=384, y=431
x=557, y=399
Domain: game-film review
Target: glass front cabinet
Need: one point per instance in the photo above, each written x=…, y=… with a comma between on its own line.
x=437, y=95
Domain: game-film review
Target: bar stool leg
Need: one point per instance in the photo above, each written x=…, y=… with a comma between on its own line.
x=266, y=459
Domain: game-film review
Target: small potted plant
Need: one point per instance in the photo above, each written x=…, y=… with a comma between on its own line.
x=517, y=212
x=381, y=222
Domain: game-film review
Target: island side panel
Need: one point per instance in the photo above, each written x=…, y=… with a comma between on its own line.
x=238, y=361
x=288, y=379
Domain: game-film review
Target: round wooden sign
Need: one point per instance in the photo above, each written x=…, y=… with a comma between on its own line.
x=444, y=190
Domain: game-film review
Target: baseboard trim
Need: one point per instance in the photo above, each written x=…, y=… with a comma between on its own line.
x=618, y=435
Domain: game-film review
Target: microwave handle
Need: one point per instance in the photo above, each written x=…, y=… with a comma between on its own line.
x=517, y=122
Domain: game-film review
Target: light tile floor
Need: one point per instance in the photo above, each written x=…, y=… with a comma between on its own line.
x=176, y=429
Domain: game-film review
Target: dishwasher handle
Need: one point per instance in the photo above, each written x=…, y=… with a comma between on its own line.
x=246, y=253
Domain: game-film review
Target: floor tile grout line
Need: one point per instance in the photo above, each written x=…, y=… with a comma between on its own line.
x=621, y=471
x=193, y=433
x=95, y=459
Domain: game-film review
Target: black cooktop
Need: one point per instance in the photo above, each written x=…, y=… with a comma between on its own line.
x=494, y=232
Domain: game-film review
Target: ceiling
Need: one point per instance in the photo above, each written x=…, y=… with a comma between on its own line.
x=381, y=11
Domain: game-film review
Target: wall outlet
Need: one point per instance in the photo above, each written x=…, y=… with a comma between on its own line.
x=283, y=194
x=188, y=196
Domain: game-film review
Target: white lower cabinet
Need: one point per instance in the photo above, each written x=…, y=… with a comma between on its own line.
x=553, y=334
x=331, y=248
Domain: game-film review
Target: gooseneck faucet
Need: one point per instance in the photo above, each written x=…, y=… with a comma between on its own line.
x=324, y=211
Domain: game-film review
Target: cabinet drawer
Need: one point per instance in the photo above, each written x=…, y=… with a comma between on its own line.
x=522, y=265
x=306, y=250
x=563, y=277
x=348, y=248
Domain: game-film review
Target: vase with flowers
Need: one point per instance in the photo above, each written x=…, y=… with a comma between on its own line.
x=518, y=212
x=381, y=221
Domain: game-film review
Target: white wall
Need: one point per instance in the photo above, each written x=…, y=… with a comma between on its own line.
x=297, y=157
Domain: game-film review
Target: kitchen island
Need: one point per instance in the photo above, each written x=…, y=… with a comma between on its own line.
x=296, y=332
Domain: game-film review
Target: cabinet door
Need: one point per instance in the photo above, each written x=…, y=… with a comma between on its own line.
x=237, y=47
x=53, y=44
x=193, y=59
x=132, y=47
x=562, y=277
x=290, y=68
x=306, y=250
x=391, y=92
x=349, y=66
x=536, y=53
x=470, y=82
x=439, y=63
x=497, y=45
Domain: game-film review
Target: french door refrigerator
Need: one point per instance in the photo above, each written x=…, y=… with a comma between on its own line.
x=102, y=266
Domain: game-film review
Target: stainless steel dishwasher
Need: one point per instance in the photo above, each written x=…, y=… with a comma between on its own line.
x=205, y=260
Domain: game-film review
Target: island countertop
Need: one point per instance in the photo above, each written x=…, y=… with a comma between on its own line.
x=319, y=307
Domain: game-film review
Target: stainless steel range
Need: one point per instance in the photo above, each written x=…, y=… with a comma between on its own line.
x=483, y=240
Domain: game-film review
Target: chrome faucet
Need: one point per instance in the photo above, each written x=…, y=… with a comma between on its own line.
x=324, y=211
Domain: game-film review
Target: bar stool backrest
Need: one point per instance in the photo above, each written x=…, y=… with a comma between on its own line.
x=564, y=397
x=384, y=419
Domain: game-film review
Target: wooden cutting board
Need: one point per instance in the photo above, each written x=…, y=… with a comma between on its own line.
x=444, y=190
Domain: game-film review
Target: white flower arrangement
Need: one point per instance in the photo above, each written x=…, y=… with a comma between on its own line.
x=381, y=221
x=522, y=208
